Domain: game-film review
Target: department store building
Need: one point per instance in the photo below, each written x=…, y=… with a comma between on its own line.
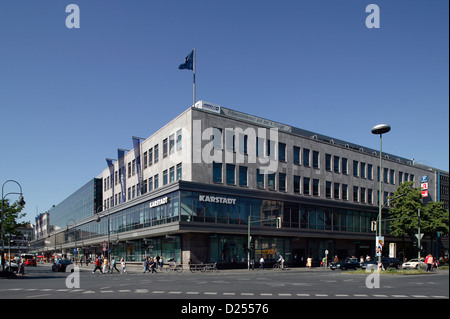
x=190, y=191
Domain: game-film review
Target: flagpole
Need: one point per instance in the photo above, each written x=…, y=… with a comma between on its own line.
x=193, y=88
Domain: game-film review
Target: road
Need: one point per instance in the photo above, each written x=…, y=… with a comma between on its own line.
x=40, y=283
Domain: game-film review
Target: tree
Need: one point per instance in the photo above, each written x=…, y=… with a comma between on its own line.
x=12, y=213
x=405, y=204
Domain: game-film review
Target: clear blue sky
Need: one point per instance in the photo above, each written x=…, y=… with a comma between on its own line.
x=70, y=97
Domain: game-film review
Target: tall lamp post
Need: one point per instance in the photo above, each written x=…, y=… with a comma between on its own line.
x=380, y=129
x=21, y=202
x=98, y=221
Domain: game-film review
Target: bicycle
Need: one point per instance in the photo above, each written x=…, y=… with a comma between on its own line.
x=277, y=265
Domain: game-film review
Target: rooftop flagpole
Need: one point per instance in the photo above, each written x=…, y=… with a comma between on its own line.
x=193, y=85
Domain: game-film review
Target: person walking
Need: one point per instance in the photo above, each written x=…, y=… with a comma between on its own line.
x=97, y=264
x=152, y=265
x=114, y=266
x=105, y=265
x=124, y=265
x=261, y=263
x=429, y=262
x=309, y=262
x=145, y=264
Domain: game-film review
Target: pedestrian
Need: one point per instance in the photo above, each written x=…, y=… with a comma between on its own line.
x=157, y=260
x=261, y=263
x=124, y=265
x=152, y=265
x=161, y=262
x=97, y=264
x=114, y=266
x=21, y=267
x=252, y=263
x=308, y=262
x=429, y=262
x=145, y=264
x=336, y=259
x=105, y=265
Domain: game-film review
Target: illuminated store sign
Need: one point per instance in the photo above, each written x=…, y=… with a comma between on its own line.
x=217, y=199
x=158, y=202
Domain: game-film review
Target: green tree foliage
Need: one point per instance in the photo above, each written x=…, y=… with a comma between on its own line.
x=12, y=213
x=405, y=204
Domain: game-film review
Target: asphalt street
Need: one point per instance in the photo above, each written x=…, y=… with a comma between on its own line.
x=297, y=283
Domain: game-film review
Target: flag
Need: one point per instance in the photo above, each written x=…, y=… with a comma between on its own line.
x=188, y=62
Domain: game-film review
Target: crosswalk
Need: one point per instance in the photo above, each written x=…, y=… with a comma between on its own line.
x=39, y=293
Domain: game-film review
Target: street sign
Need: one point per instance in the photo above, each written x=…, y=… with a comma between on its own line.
x=417, y=236
x=424, y=179
x=424, y=185
x=425, y=193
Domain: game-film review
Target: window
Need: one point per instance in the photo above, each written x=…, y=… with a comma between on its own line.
x=217, y=172
x=242, y=176
x=259, y=179
x=282, y=152
x=179, y=172
x=363, y=195
x=363, y=170
x=306, y=157
x=133, y=167
x=179, y=146
x=344, y=192
x=328, y=162
x=165, y=177
x=306, y=181
x=370, y=171
x=150, y=157
x=315, y=187
x=145, y=160
x=328, y=189
x=171, y=144
x=336, y=165
x=296, y=155
x=230, y=174
x=156, y=153
x=165, y=148
x=392, y=176
x=172, y=174
x=282, y=182
x=344, y=163
x=156, y=181
x=355, y=194
x=129, y=169
x=336, y=190
x=296, y=184
x=259, y=147
x=369, y=196
x=315, y=159
x=355, y=168
x=243, y=144
x=150, y=184
x=271, y=181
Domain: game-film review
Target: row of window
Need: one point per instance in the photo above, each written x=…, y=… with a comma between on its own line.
x=170, y=145
x=171, y=175
x=301, y=185
x=303, y=156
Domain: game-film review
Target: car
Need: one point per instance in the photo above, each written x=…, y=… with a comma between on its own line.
x=61, y=265
x=387, y=263
x=349, y=263
x=30, y=262
x=414, y=264
x=10, y=267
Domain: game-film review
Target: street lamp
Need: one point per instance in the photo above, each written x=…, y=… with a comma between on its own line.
x=98, y=221
x=21, y=202
x=380, y=129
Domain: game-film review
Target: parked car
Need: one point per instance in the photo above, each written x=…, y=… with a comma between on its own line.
x=61, y=265
x=10, y=267
x=387, y=263
x=349, y=263
x=414, y=264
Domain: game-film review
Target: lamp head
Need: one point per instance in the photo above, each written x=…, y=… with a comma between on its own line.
x=381, y=129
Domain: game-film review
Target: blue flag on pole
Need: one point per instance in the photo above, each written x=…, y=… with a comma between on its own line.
x=188, y=62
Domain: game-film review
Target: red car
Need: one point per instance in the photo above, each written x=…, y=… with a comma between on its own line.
x=30, y=262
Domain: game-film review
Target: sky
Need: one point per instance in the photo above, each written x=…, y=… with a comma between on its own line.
x=69, y=97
